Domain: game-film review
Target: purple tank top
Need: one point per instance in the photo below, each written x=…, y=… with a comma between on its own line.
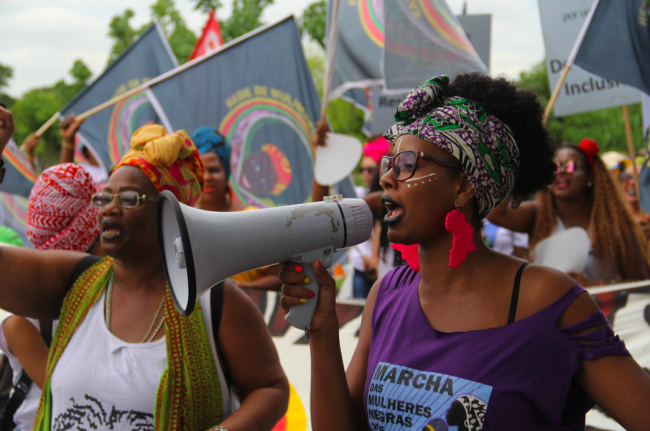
x=517, y=376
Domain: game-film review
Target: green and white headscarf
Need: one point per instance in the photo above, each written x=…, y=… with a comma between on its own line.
x=482, y=143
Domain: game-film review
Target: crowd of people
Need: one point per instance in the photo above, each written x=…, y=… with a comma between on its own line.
x=460, y=328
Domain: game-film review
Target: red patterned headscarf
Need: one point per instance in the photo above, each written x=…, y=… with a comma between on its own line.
x=171, y=162
x=61, y=216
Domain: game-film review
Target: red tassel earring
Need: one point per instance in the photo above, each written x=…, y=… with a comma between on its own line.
x=463, y=233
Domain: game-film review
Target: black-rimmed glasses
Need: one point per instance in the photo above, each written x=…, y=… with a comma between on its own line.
x=403, y=163
x=126, y=199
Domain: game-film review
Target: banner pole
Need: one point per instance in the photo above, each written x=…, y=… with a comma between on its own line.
x=570, y=61
x=48, y=124
x=631, y=150
x=329, y=67
x=556, y=93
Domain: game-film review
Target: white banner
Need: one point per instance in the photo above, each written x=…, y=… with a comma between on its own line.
x=562, y=21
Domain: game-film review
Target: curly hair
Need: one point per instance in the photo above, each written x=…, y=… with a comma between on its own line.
x=520, y=111
x=611, y=225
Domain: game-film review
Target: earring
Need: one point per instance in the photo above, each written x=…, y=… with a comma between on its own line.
x=463, y=234
x=589, y=184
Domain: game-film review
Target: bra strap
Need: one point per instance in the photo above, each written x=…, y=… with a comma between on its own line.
x=515, y=294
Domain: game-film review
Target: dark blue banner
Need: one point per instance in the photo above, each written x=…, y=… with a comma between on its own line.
x=259, y=93
x=108, y=133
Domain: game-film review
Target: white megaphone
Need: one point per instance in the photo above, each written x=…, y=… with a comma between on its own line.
x=202, y=248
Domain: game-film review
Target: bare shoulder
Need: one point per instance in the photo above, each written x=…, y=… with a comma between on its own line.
x=541, y=286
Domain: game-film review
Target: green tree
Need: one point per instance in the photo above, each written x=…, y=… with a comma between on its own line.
x=37, y=106
x=180, y=38
x=206, y=6
x=246, y=16
x=6, y=73
x=605, y=126
x=122, y=33
x=314, y=21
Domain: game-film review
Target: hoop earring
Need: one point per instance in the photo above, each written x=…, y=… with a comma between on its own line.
x=463, y=234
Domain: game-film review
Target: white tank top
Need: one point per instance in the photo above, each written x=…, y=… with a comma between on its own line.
x=103, y=383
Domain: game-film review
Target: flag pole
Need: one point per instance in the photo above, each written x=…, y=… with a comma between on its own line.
x=168, y=74
x=569, y=63
x=48, y=124
x=329, y=67
x=631, y=150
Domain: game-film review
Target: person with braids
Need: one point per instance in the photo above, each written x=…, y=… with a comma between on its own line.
x=584, y=194
x=475, y=339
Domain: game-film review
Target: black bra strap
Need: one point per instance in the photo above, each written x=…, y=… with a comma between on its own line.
x=515, y=294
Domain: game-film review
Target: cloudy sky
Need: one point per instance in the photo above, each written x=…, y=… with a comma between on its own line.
x=40, y=39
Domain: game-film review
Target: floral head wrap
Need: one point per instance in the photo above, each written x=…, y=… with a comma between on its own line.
x=209, y=139
x=171, y=162
x=60, y=213
x=482, y=143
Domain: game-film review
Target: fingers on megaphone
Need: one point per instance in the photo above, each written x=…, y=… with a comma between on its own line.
x=293, y=295
x=326, y=281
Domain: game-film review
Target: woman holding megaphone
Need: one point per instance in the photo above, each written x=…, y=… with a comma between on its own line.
x=475, y=339
x=122, y=357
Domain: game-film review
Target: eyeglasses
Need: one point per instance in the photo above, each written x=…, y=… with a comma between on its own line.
x=403, y=163
x=127, y=199
x=569, y=166
x=369, y=170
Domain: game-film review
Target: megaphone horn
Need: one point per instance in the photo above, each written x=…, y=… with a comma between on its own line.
x=202, y=248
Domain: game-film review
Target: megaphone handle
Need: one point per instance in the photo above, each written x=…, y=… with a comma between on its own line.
x=300, y=315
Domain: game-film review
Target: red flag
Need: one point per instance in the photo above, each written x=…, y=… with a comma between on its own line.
x=210, y=39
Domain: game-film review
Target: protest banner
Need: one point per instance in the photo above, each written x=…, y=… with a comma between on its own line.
x=616, y=45
x=424, y=40
x=266, y=113
x=107, y=134
x=380, y=108
x=19, y=173
x=562, y=22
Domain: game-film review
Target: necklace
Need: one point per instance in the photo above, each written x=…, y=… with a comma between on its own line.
x=149, y=336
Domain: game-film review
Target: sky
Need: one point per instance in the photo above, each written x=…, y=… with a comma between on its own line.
x=41, y=39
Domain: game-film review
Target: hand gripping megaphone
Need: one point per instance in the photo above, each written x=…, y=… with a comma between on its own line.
x=202, y=248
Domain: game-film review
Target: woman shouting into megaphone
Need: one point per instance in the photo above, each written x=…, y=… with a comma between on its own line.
x=122, y=358
x=475, y=339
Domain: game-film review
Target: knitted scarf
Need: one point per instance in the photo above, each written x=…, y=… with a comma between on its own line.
x=189, y=395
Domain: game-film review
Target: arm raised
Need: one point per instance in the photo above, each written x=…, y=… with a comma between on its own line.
x=521, y=219
x=34, y=283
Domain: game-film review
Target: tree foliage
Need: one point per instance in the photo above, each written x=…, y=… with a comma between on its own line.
x=36, y=106
x=206, y=6
x=181, y=39
x=605, y=126
x=6, y=73
x=246, y=16
x=314, y=21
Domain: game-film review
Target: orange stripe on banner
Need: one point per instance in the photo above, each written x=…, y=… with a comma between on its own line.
x=438, y=22
x=17, y=162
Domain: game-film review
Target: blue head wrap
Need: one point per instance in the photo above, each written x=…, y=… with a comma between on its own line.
x=208, y=139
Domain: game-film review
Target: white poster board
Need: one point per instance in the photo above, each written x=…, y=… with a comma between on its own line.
x=582, y=91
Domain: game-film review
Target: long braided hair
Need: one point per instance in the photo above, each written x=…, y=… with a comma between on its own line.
x=611, y=226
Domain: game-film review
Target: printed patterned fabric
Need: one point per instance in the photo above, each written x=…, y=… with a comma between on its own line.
x=189, y=396
x=210, y=140
x=482, y=143
x=171, y=161
x=60, y=215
